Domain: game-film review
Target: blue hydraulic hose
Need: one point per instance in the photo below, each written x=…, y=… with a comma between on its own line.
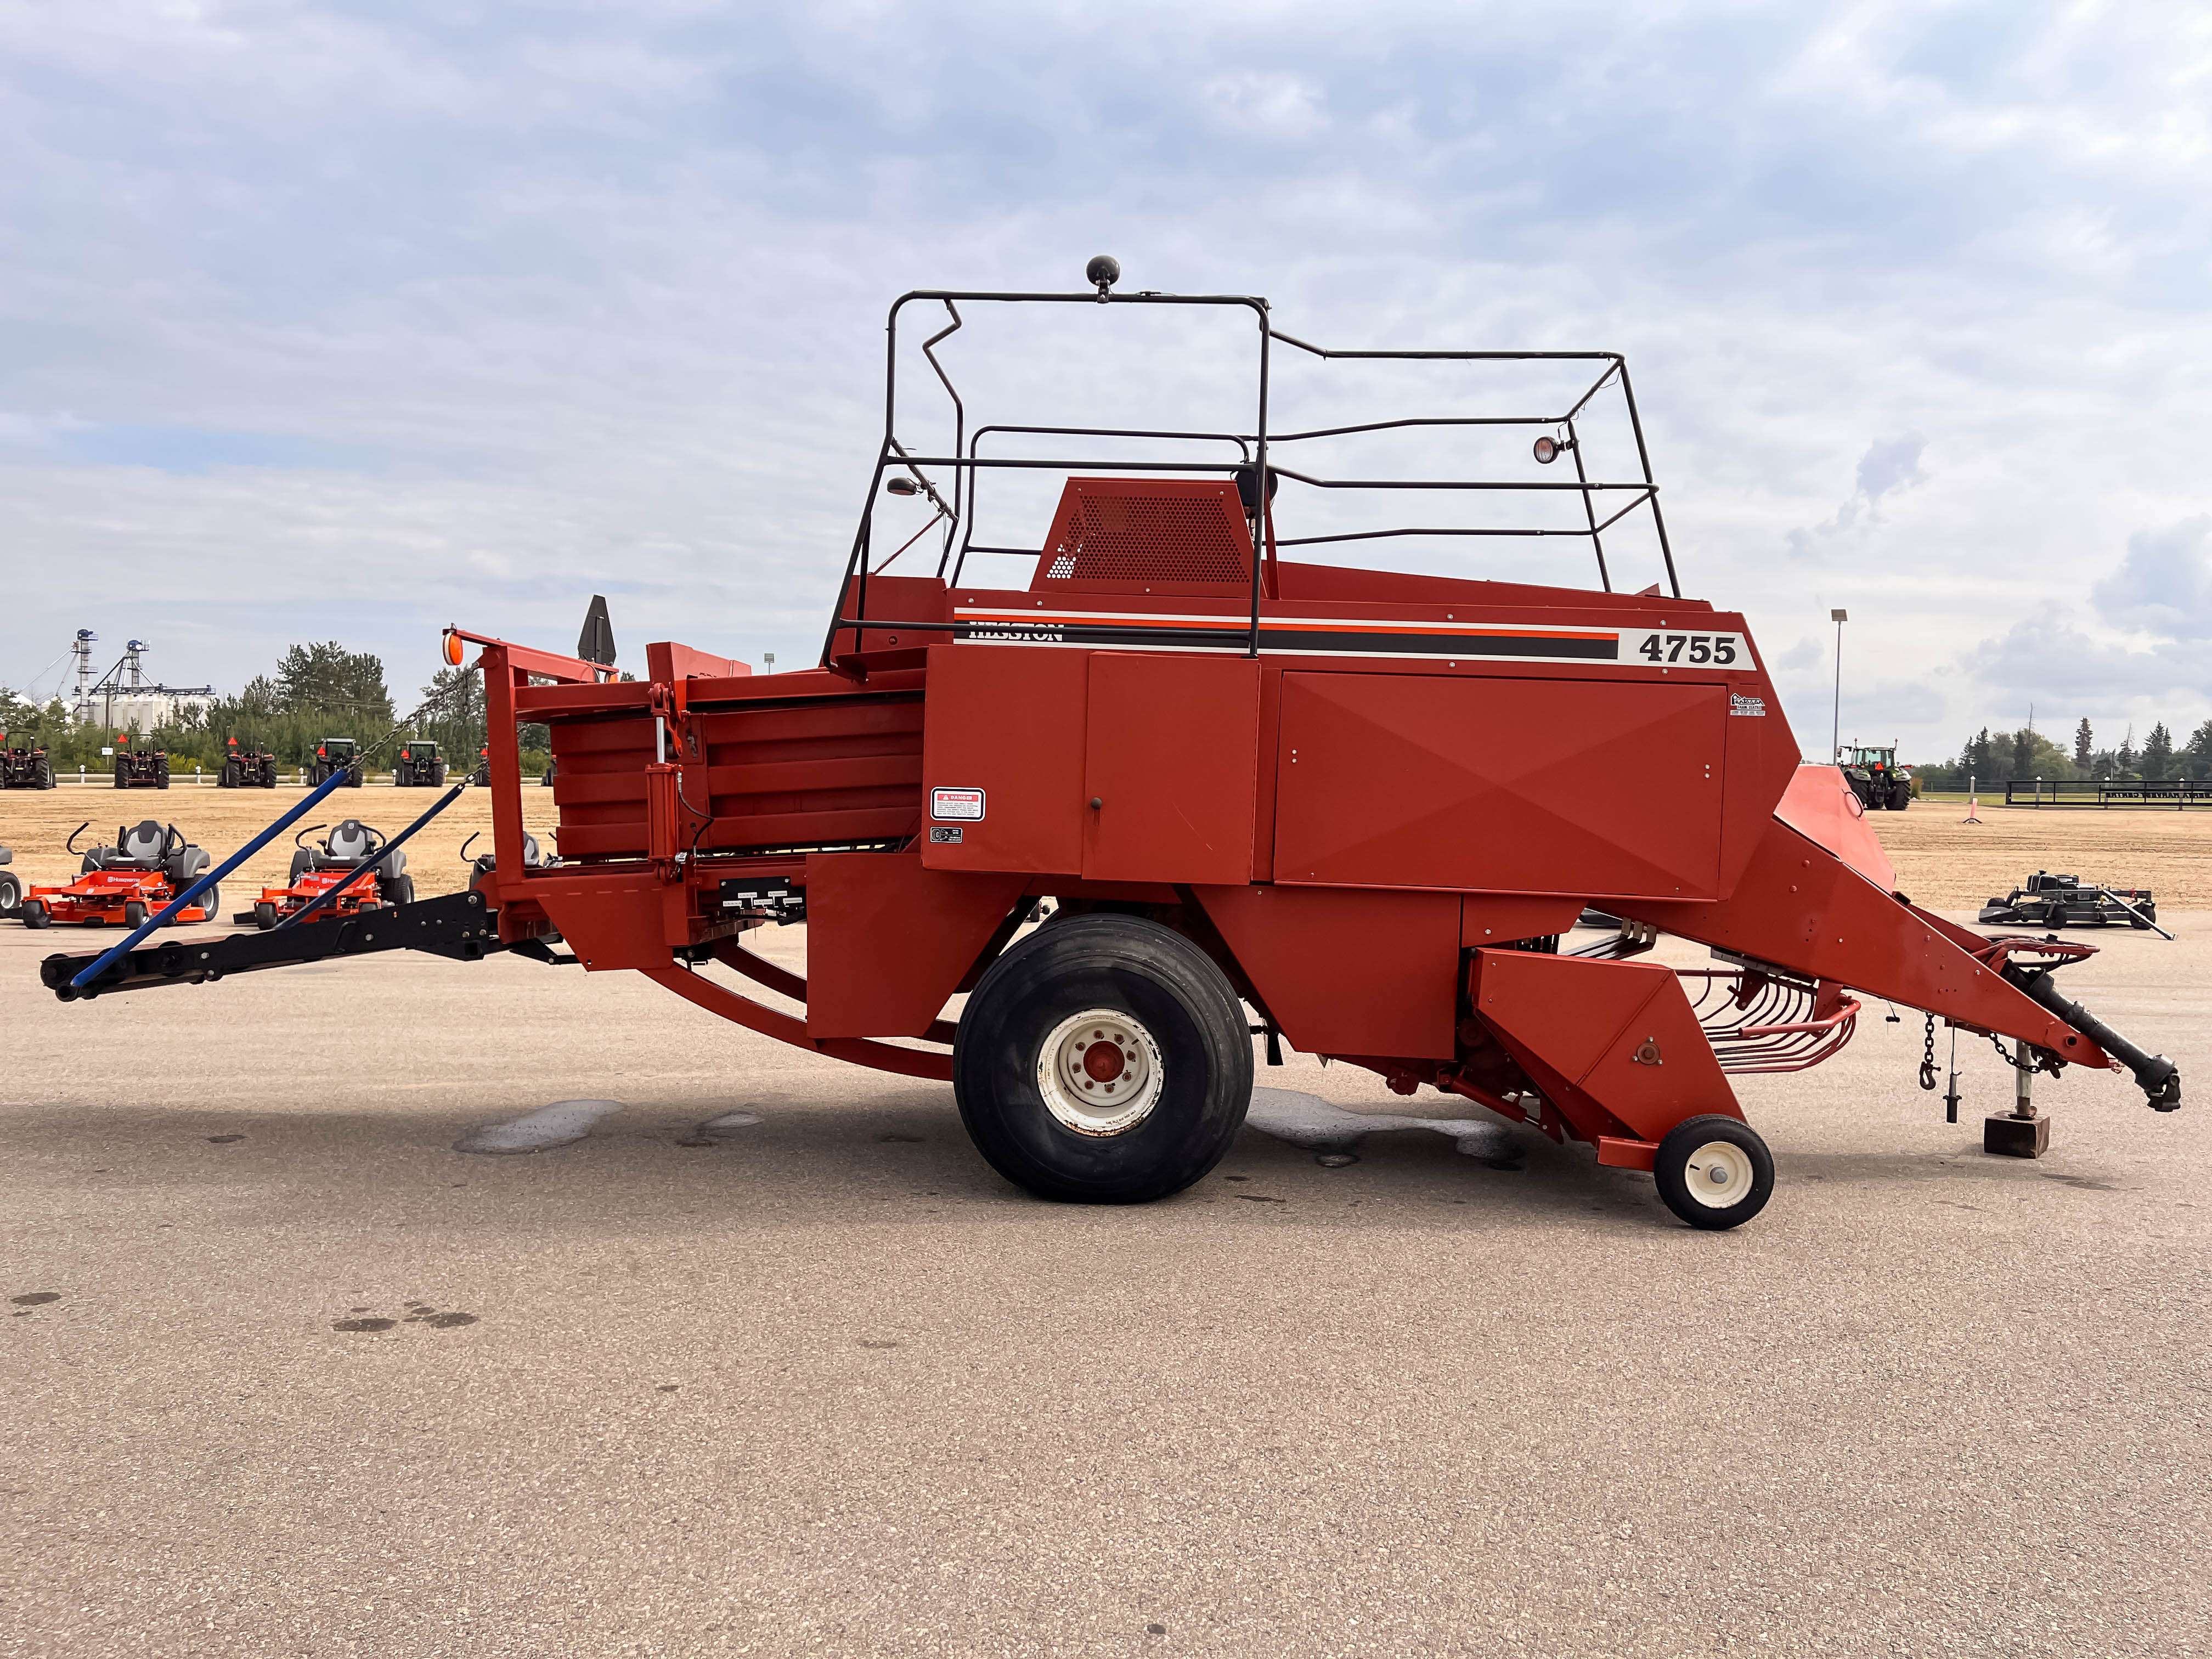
x=366, y=865
x=107, y=957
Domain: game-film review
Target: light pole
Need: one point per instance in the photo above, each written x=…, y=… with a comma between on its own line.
x=1836, y=730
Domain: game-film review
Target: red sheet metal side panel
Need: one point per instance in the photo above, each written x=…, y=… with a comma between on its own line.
x=1762, y=756
x=1596, y=788
x=610, y=921
x=1821, y=806
x=908, y=600
x=1801, y=908
x=664, y=659
x=1499, y=918
x=888, y=941
x=1002, y=730
x=1617, y=1037
x=1345, y=971
x=1171, y=753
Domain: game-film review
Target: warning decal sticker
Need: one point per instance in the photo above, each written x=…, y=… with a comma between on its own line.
x=955, y=804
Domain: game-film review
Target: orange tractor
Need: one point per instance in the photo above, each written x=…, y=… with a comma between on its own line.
x=139, y=769
x=123, y=885
x=24, y=768
x=324, y=881
x=246, y=768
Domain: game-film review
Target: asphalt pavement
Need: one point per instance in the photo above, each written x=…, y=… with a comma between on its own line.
x=287, y=1373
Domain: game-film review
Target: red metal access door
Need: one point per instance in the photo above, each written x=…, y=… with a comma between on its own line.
x=1589, y=788
x=1172, y=757
x=1019, y=741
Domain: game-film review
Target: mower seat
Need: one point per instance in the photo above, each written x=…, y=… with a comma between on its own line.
x=139, y=848
x=350, y=844
x=346, y=846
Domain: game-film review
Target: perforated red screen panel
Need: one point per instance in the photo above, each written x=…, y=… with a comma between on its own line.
x=1169, y=535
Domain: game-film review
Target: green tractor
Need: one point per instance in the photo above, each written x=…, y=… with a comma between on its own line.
x=1876, y=777
x=417, y=766
x=336, y=754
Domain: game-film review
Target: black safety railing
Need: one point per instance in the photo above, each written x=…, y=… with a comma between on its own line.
x=954, y=498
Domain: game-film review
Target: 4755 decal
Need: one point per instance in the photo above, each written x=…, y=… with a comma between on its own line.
x=1667, y=648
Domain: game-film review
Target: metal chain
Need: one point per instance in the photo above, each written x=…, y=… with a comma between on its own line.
x=1928, y=1058
x=2000, y=1048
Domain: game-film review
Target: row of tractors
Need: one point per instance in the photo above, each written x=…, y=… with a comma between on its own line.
x=417, y=765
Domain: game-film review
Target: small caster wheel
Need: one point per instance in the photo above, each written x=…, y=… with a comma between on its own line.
x=1714, y=1171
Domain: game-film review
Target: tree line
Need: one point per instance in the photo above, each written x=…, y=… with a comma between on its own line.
x=1997, y=758
x=316, y=692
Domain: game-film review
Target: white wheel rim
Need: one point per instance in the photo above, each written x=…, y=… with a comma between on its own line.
x=1100, y=1073
x=1719, y=1175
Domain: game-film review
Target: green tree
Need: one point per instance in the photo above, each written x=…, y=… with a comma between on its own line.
x=326, y=679
x=2157, y=752
x=2124, y=757
x=1978, y=756
x=2197, y=755
x=2084, y=747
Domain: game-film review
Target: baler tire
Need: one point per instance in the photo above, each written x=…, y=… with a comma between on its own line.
x=1754, y=1174
x=35, y=914
x=1155, y=979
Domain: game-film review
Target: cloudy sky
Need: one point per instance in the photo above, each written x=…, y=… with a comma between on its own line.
x=350, y=321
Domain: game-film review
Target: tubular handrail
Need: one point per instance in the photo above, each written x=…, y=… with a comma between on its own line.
x=966, y=462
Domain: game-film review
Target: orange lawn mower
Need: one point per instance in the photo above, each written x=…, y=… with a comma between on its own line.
x=329, y=879
x=122, y=885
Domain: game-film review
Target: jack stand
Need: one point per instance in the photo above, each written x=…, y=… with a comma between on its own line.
x=2020, y=1134
x=1951, y=1097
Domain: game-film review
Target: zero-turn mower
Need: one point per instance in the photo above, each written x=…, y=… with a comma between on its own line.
x=123, y=885
x=1349, y=809
x=330, y=865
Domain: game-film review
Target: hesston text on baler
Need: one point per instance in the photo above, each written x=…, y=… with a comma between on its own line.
x=1363, y=804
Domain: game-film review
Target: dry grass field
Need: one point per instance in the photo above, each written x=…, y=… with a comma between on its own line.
x=1947, y=864
x=1942, y=861
x=36, y=824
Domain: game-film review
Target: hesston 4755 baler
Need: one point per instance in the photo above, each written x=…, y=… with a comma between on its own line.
x=1364, y=806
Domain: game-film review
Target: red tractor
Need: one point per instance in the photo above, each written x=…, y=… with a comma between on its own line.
x=24, y=767
x=1353, y=810
x=244, y=767
x=331, y=864
x=125, y=884
x=139, y=769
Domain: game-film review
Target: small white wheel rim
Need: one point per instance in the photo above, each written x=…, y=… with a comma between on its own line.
x=1719, y=1175
x=1100, y=1073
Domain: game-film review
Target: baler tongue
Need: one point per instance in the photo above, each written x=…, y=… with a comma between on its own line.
x=2160, y=1077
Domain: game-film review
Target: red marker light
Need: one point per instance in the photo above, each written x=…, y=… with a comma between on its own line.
x=453, y=648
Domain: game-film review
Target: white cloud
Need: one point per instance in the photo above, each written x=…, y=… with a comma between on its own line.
x=2164, y=585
